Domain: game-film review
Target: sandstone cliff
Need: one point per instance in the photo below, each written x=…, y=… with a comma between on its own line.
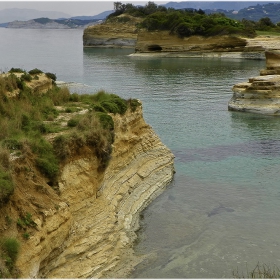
x=260, y=94
x=87, y=227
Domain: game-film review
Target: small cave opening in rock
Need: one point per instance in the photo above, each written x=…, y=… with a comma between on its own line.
x=154, y=48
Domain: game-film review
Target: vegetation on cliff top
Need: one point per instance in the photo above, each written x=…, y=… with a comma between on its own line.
x=43, y=129
x=188, y=22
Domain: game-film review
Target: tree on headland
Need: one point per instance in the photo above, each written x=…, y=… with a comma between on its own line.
x=188, y=22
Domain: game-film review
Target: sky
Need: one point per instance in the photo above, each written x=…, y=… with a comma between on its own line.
x=73, y=8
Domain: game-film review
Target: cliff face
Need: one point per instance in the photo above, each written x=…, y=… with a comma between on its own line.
x=260, y=94
x=87, y=230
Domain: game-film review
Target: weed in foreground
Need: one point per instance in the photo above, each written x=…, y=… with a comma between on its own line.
x=263, y=271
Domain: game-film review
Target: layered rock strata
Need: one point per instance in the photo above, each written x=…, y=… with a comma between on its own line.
x=260, y=94
x=89, y=228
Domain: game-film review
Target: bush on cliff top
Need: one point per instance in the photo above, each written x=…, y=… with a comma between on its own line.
x=183, y=22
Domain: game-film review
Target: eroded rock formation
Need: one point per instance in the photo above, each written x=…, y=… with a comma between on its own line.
x=260, y=94
x=87, y=228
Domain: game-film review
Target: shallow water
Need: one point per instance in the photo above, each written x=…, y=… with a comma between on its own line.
x=221, y=210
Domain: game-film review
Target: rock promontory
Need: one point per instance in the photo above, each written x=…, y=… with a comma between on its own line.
x=260, y=94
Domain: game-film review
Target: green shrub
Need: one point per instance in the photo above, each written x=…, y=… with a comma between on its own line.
x=6, y=186
x=51, y=76
x=60, y=145
x=26, y=77
x=106, y=120
x=35, y=71
x=74, y=97
x=133, y=104
x=98, y=108
x=26, y=221
x=12, y=144
x=10, y=247
x=16, y=70
x=26, y=235
x=25, y=122
x=46, y=161
x=49, y=167
x=4, y=158
x=109, y=106
x=73, y=122
x=121, y=103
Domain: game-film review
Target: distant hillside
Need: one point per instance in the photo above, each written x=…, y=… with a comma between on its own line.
x=255, y=13
x=100, y=16
x=9, y=15
x=60, y=20
x=46, y=23
x=223, y=5
x=251, y=10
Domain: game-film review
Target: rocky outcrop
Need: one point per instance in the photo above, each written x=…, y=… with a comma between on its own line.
x=116, y=33
x=39, y=84
x=88, y=229
x=260, y=94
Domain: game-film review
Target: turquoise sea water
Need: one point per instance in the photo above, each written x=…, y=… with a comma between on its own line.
x=221, y=212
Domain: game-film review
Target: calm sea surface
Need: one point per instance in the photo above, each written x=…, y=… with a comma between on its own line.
x=222, y=211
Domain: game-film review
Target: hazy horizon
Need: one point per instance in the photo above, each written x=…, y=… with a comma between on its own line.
x=73, y=8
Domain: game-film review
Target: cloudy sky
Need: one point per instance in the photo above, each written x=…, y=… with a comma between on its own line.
x=72, y=8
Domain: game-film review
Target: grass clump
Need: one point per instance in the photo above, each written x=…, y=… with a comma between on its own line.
x=51, y=76
x=6, y=185
x=9, y=249
x=26, y=221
